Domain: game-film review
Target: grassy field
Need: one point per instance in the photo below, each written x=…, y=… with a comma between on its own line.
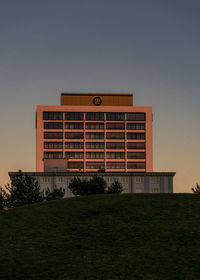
x=103, y=237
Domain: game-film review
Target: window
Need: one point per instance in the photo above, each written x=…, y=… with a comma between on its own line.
x=115, y=135
x=94, y=155
x=74, y=116
x=74, y=155
x=53, y=125
x=154, y=180
x=75, y=125
x=115, y=145
x=52, y=115
x=155, y=190
x=94, y=145
x=53, y=155
x=75, y=164
x=61, y=179
x=53, y=145
x=115, y=116
x=135, y=116
x=114, y=155
x=96, y=116
x=135, y=145
x=115, y=126
x=74, y=135
x=136, y=155
x=136, y=165
x=53, y=135
x=45, y=179
x=94, y=135
x=73, y=145
x=115, y=165
x=139, y=180
x=137, y=136
x=95, y=165
x=94, y=126
x=135, y=126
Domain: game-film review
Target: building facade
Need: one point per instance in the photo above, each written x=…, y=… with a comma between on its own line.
x=94, y=132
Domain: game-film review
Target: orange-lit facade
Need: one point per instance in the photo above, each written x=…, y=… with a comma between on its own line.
x=95, y=132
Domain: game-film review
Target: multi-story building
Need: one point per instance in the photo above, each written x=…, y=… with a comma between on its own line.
x=93, y=132
x=90, y=134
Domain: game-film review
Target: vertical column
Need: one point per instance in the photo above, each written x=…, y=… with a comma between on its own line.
x=170, y=184
x=146, y=184
x=84, y=144
x=105, y=140
x=125, y=144
x=162, y=184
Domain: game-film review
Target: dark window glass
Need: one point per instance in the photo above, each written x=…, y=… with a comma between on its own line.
x=74, y=155
x=136, y=165
x=138, y=136
x=115, y=126
x=53, y=155
x=115, y=155
x=53, y=145
x=75, y=164
x=74, y=135
x=136, y=126
x=74, y=145
x=53, y=135
x=94, y=145
x=52, y=115
x=115, y=135
x=135, y=116
x=94, y=155
x=115, y=116
x=115, y=145
x=74, y=125
x=74, y=116
x=94, y=135
x=136, y=145
x=95, y=165
x=53, y=125
x=94, y=125
x=115, y=165
x=136, y=155
x=95, y=116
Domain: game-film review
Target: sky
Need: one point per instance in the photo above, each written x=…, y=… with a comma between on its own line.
x=148, y=48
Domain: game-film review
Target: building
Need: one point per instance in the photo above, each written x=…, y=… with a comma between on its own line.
x=92, y=132
x=97, y=134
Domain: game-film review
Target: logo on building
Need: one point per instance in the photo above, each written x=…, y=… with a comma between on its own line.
x=97, y=101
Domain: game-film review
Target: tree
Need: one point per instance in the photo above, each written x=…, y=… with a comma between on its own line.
x=4, y=198
x=197, y=189
x=54, y=194
x=24, y=189
x=96, y=185
x=115, y=187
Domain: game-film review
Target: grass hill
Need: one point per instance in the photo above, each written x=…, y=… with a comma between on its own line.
x=150, y=237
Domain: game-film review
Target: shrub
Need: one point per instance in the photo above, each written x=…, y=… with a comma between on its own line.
x=96, y=185
x=115, y=187
x=24, y=189
x=197, y=189
x=54, y=194
x=3, y=198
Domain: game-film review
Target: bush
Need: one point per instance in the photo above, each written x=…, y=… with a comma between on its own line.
x=96, y=185
x=4, y=198
x=24, y=189
x=197, y=189
x=115, y=187
x=54, y=194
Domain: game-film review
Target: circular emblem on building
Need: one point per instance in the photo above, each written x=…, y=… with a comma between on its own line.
x=97, y=101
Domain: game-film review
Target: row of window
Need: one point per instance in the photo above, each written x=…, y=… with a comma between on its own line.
x=109, y=165
x=80, y=125
x=94, y=116
x=94, y=145
x=94, y=135
x=97, y=155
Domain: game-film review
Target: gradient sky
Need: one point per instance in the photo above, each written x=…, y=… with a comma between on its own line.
x=148, y=48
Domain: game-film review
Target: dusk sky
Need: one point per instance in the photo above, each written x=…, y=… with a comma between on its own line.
x=148, y=48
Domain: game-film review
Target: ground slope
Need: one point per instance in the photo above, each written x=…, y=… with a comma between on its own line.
x=103, y=237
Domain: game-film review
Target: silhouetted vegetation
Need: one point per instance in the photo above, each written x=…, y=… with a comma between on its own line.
x=196, y=189
x=54, y=194
x=115, y=187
